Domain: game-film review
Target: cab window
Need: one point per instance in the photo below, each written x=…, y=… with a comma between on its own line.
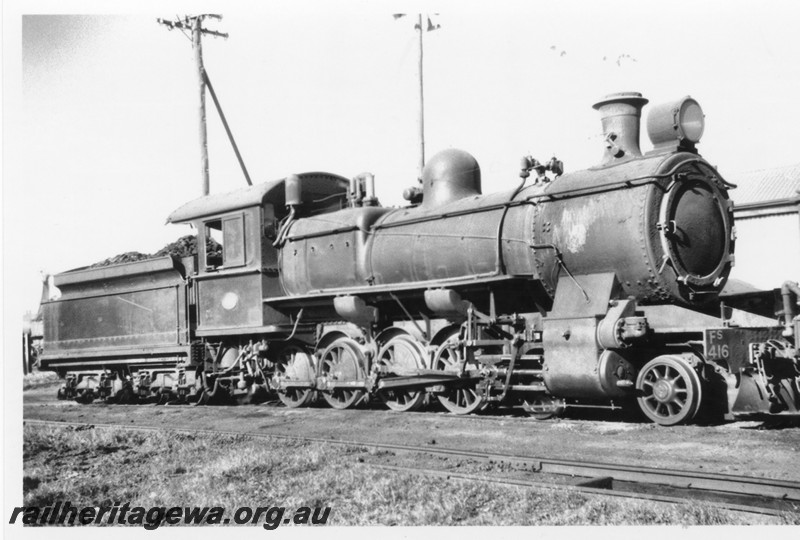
x=233, y=241
x=225, y=242
x=213, y=244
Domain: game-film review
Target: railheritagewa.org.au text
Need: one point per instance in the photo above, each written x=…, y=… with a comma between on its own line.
x=269, y=517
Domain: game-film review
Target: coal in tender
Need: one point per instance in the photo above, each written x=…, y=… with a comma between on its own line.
x=130, y=256
x=186, y=246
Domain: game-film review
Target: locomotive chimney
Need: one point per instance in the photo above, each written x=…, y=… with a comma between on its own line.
x=620, y=114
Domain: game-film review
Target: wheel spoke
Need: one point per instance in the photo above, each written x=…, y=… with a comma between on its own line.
x=294, y=363
x=462, y=397
x=669, y=390
x=400, y=355
x=342, y=361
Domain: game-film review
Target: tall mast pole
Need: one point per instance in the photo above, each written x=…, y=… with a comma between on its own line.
x=420, y=76
x=421, y=122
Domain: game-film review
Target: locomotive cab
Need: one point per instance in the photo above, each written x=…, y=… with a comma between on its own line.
x=237, y=261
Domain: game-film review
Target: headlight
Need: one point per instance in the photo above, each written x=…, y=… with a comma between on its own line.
x=680, y=122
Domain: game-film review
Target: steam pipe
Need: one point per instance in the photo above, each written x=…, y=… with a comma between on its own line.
x=289, y=219
x=501, y=264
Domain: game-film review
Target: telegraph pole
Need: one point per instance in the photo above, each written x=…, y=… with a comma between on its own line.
x=197, y=45
x=195, y=25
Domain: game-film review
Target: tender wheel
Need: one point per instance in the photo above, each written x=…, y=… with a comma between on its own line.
x=543, y=407
x=343, y=361
x=125, y=394
x=669, y=390
x=294, y=363
x=402, y=354
x=85, y=397
x=462, y=398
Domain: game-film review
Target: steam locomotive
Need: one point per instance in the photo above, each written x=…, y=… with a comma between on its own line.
x=596, y=288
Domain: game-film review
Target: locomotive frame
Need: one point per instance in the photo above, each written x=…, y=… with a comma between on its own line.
x=595, y=288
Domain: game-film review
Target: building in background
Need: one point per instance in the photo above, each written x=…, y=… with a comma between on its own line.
x=33, y=328
x=767, y=218
x=32, y=335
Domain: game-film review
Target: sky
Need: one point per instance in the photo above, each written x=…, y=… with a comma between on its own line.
x=100, y=102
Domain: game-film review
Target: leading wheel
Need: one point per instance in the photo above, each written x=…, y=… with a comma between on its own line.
x=669, y=390
x=402, y=355
x=343, y=361
x=458, y=398
x=295, y=364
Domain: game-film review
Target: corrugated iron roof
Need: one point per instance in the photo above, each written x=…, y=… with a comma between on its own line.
x=765, y=184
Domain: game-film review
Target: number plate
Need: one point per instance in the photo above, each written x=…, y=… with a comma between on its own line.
x=731, y=346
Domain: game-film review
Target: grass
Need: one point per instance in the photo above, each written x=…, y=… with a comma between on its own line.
x=91, y=466
x=36, y=379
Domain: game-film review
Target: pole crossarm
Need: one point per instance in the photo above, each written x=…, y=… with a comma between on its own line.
x=187, y=24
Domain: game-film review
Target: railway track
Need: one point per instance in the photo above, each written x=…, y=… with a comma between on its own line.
x=729, y=492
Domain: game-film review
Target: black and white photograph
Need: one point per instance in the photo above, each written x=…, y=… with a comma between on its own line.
x=401, y=268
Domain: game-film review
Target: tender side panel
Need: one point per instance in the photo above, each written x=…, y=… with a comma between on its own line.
x=123, y=313
x=136, y=318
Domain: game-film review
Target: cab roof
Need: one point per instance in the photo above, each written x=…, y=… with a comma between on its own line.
x=315, y=186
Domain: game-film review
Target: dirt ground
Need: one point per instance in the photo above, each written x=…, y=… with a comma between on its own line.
x=750, y=448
